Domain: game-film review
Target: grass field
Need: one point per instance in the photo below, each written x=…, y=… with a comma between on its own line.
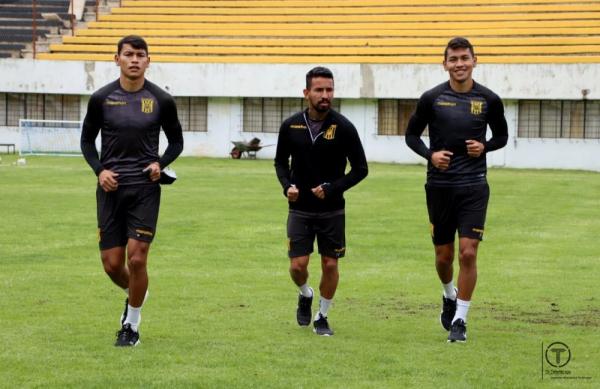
x=221, y=313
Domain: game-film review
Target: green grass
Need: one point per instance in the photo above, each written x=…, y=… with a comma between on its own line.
x=221, y=313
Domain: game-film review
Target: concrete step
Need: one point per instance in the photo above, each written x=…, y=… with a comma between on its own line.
x=10, y=54
x=54, y=38
x=89, y=16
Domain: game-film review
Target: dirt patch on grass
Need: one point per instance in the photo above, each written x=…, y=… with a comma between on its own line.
x=549, y=313
x=544, y=313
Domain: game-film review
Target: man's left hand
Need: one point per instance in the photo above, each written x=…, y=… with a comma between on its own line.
x=153, y=171
x=474, y=148
x=319, y=192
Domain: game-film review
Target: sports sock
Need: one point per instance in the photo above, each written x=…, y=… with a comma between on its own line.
x=133, y=317
x=449, y=291
x=462, y=308
x=306, y=290
x=324, y=305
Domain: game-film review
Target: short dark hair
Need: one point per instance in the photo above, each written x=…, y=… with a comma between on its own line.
x=319, y=71
x=458, y=43
x=135, y=41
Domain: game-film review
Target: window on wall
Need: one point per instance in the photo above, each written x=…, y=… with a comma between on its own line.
x=387, y=118
x=272, y=114
x=551, y=118
x=529, y=119
x=53, y=107
x=393, y=116
x=2, y=109
x=559, y=119
x=34, y=107
x=592, y=120
x=266, y=114
x=61, y=107
x=193, y=113
x=573, y=117
x=253, y=115
x=15, y=106
x=292, y=106
x=71, y=107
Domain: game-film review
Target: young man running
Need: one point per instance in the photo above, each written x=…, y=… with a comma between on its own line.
x=129, y=113
x=457, y=113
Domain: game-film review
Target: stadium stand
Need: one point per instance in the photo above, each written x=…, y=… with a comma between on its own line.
x=343, y=31
x=17, y=19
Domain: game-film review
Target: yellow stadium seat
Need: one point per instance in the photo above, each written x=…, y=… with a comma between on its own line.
x=350, y=31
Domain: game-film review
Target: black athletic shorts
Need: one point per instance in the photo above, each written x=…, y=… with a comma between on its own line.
x=129, y=212
x=461, y=208
x=329, y=229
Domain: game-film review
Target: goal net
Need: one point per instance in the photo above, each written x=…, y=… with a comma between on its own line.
x=49, y=137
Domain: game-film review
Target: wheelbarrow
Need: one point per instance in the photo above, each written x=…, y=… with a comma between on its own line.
x=250, y=148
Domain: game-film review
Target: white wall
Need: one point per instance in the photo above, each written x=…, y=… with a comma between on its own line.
x=510, y=81
x=224, y=123
x=554, y=154
x=9, y=135
x=359, y=87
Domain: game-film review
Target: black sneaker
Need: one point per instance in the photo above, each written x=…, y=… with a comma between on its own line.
x=303, y=313
x=124, y=314
x=458, y=331
x=448, y=311
x=322, y=326
x=127, y=336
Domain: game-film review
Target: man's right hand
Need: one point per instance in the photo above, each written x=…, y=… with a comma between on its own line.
x=441, y=159
x=108, y=180
x=292, y=193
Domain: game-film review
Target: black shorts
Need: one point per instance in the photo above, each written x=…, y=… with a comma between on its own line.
x=129, y=212
x=329, y=229
x=460, y=208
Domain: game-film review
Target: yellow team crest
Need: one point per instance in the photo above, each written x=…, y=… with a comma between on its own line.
x=147, y=105
x=476, y=107
x=330, y=133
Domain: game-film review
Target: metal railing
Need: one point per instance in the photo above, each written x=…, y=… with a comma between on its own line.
x=34, y=24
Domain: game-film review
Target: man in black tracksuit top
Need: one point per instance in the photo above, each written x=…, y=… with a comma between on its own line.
x=319, y=141
x=130, y=112
x=457, y=113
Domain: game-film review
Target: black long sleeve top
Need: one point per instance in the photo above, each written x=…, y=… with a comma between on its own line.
x=130, y=123
x=453, y=118
x=319, y=160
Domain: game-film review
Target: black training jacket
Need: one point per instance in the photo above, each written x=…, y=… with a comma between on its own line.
x=320, y=162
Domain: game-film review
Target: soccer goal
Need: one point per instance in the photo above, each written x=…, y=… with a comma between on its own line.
x=49, y=137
